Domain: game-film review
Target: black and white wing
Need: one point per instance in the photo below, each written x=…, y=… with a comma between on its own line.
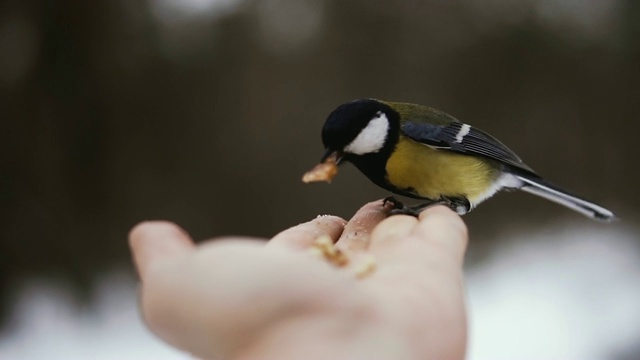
x=464, y=139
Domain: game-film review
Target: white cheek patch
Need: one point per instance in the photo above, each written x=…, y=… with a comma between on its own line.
x=464, y=130
x=371, y=138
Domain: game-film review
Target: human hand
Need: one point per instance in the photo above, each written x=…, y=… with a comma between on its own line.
x=239, y=298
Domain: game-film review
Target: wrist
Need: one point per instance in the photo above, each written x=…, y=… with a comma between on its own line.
x=327, y=337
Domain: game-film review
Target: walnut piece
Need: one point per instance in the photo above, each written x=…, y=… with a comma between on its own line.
x=322, y=172
x=325, y=171
x=324, y=247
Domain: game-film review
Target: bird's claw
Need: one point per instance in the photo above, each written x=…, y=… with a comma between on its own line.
x=399, y=208
x=397, y=204
x=459, y=205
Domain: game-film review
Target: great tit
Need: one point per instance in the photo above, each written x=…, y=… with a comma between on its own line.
x=424, y=153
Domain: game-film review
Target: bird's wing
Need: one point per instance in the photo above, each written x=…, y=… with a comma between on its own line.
x=462, y=138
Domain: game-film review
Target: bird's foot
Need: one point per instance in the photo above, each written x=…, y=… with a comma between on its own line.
x=458, y=204
x=398, y=208
x=407, y=210
x=396, y=204
x=401, y=209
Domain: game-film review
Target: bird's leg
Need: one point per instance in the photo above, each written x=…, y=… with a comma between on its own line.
x=458, y=204
x=400, y=209
x=397, y=204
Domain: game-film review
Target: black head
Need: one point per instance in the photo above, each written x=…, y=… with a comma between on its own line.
x=359, y=128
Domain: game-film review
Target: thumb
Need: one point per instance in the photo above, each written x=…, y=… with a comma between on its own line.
x=153, y=243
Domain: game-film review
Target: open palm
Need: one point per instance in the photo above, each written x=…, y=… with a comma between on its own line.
x=239, y=298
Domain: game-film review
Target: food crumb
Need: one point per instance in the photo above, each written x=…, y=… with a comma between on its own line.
x=324, y=247
x=366, y=267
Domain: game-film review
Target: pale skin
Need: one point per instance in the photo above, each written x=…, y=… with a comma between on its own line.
x=242, y=298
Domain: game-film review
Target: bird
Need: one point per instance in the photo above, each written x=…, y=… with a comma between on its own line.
x=426, y=154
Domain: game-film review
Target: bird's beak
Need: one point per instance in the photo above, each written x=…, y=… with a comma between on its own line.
x=327, y=169
x=332, y=155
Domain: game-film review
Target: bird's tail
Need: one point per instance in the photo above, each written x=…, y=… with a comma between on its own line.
x=543, y=188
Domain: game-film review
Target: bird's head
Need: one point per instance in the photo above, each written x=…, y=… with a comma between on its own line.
x=354, y=131
x=358, y=128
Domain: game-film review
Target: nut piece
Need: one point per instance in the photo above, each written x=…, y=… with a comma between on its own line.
x=322, y=172
x=324, y=247
x=325, y=171
x=366, y=267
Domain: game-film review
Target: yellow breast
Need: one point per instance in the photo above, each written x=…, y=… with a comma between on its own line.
x=434, y=173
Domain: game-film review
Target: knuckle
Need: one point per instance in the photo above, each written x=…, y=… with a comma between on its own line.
x=330, y=221
x=393, y=224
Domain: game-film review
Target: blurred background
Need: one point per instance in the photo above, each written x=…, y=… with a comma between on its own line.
x=207, y=112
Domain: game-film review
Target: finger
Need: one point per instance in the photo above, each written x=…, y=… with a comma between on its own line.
x=444, y=230
x=154, y=242
x=300, y=237
x=439, y=237
x=357, y=232
x=391, y=231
